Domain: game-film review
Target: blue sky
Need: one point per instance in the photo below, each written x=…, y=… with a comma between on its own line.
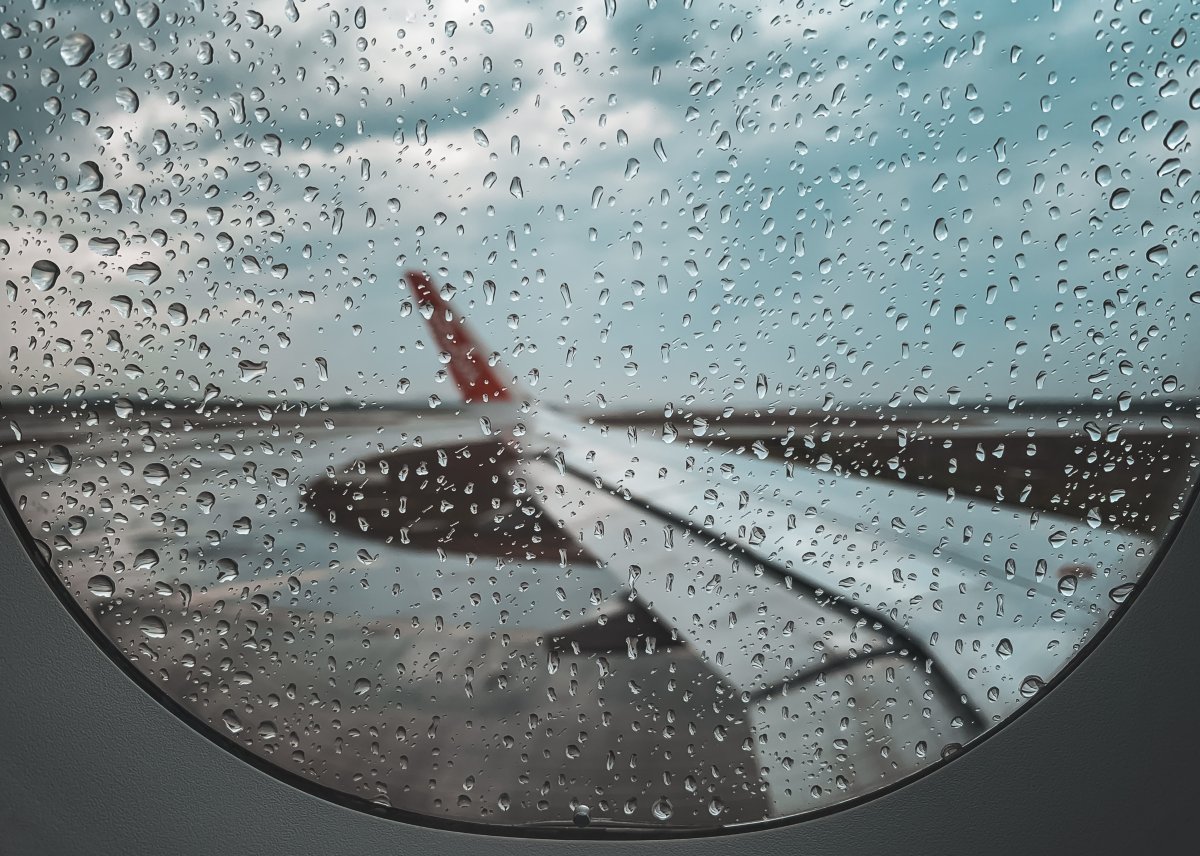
x=862, y=203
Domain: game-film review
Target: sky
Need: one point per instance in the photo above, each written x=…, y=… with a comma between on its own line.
x=632, y=203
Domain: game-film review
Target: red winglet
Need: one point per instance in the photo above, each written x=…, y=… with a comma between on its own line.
x=468, y=365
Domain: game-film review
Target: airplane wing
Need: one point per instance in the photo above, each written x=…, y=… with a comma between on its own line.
x=975, y=584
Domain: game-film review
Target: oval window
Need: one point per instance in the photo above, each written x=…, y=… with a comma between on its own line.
x=646, y=415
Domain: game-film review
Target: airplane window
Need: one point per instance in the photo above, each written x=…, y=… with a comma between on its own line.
x=640, y=415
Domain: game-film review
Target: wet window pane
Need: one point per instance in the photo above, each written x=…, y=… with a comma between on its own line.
x=658, y=415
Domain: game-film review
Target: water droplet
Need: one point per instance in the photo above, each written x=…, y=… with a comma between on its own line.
x=59, y=460
x=147, y=14
x=120, y=56
x=1120, y=594
x=231, y=722
x=1175, y=135
x=156, y=474
x=950, y=750
x=90, y=178
x=153, y=627
x=104, y=246
x=44, y=274
x=76, y=49
x=109, y=201
x=227, y=570
x=128, y=100
x=144, y=273
x=1031, y=686
x=248, y=370
x=101, y=585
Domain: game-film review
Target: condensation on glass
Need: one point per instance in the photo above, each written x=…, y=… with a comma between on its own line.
x=657, y=415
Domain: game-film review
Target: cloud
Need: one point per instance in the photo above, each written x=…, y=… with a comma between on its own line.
x=809, y=194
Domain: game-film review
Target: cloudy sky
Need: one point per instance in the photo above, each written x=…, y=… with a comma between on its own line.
x=640, y=202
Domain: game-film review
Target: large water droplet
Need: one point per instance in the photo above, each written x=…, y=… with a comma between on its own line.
x=101, y=585
x=1031, y=686
x=153, y=627
x=104, y=246
x=119, y=56
x=59, y=460
x=76, y=48
x=144, y=273
x=156, y=474
x=147, y=14
x=1120, y=594
x=44, y=274
x=128, y=99
x=227, y=570
x=1175, y=135
x=248, y=370
x=90, y=177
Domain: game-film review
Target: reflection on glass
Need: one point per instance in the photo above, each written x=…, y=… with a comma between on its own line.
x=641, y=416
